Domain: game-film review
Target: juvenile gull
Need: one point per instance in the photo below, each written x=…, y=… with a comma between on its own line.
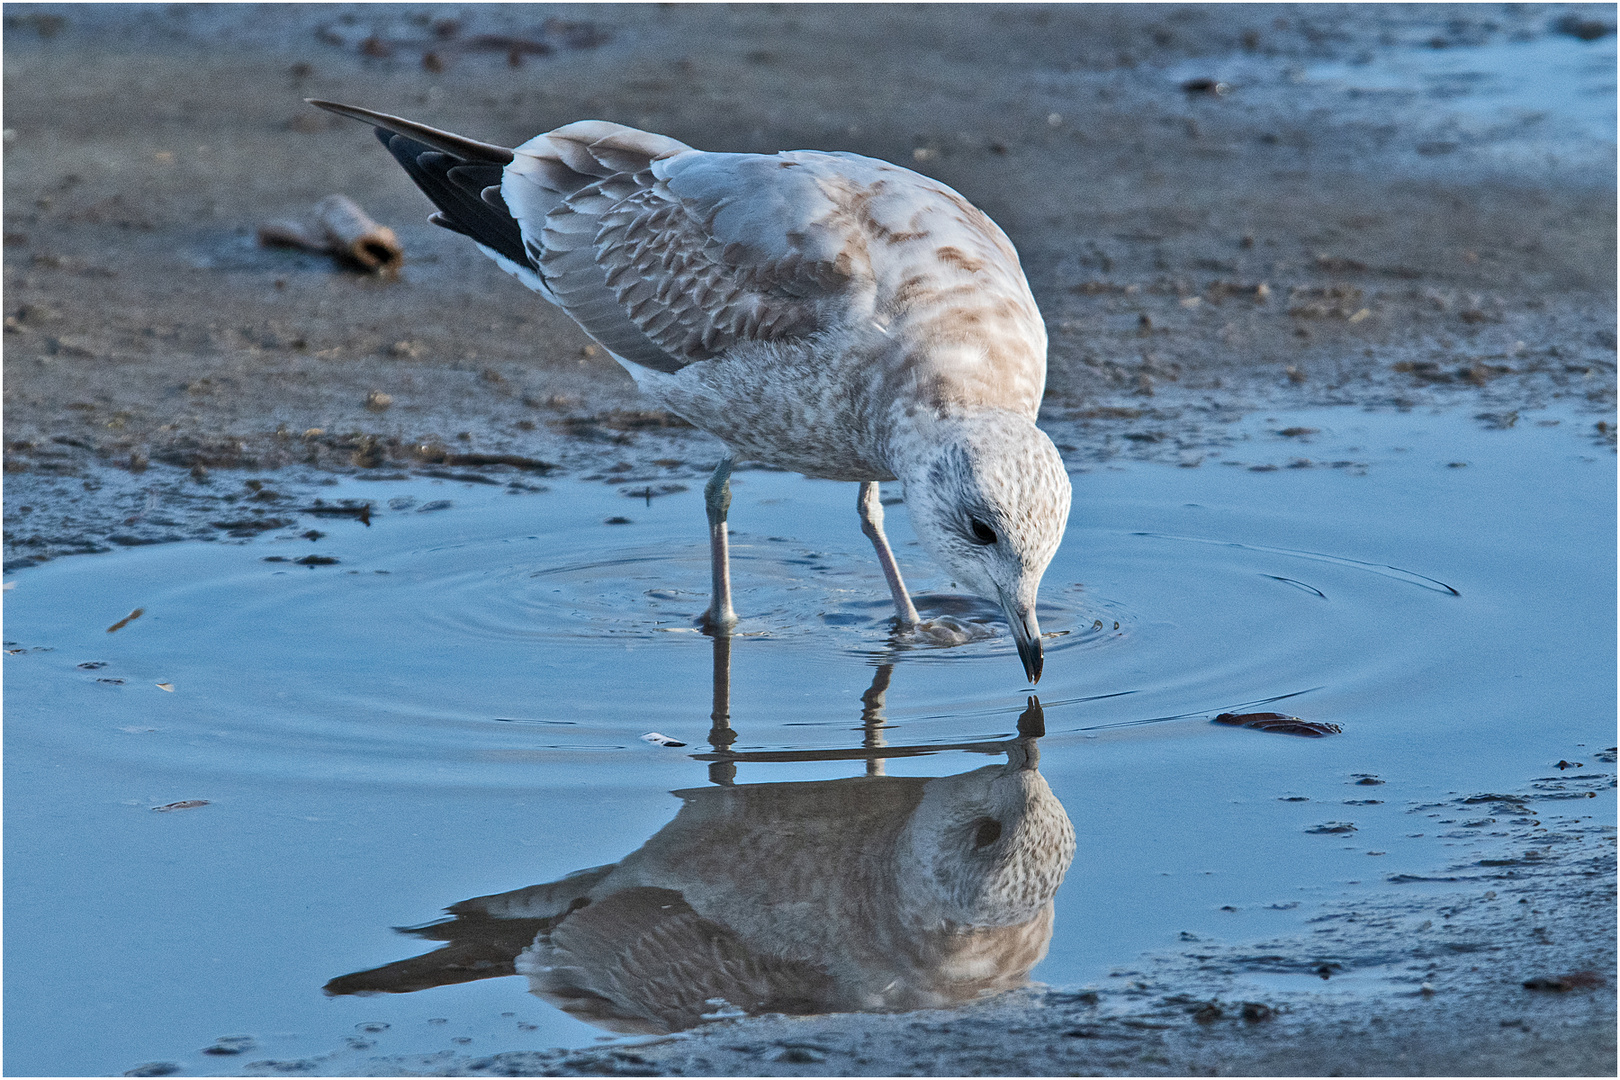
x=825, y=312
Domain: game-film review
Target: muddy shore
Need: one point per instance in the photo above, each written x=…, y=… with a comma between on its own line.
x=1195, y=253
x=1198, y=252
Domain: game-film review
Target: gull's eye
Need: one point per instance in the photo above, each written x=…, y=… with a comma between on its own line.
x=980, y=532
x=988, y=832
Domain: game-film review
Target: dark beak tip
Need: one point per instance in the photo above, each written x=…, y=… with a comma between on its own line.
x=1034, y=658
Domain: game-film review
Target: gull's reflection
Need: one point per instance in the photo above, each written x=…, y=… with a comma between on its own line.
x=872, y=893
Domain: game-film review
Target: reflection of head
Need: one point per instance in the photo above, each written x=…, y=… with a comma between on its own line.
x=983, y=849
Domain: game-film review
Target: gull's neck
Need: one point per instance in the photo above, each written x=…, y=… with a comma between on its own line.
x=913, y=442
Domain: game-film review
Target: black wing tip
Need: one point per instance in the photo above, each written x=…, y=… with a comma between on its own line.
x=444, y=221
x=459, y=146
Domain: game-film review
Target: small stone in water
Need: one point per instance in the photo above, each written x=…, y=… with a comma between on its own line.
x=230, y=1044
x=1575, y=980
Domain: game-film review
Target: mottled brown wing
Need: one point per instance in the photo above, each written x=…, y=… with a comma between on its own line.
x=695, y=253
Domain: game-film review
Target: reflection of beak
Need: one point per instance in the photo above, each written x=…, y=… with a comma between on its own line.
x=1022, y=753
x=1027, y=633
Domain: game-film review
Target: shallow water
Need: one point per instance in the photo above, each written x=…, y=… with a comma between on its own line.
x=1556, y=79
x=455, y=708
x=1545, y=102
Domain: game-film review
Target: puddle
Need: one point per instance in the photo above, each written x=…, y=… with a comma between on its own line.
x=1545, y=101
x=1379, y=980
x=1558, y=78
x=453, y=712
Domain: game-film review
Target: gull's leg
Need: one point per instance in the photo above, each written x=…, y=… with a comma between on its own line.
x=872, y=525
x=720, y=734
x=872, y=717
x=720, y=617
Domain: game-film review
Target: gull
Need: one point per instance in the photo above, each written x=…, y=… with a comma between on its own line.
x=828, y=313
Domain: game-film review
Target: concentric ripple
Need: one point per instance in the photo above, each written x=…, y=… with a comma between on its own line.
x=499, y=589
x=434, y=634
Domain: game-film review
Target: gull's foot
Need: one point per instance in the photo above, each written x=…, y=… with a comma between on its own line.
x=717, y=624
x=945, y=632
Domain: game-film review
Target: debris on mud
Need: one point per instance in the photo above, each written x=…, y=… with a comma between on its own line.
x=338, y=227
x=439, y=41
x=1279, y=724
x=1562, y=984
x=360, y=512
x=126, y=620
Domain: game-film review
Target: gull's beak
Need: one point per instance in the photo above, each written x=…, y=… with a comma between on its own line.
x=1027, y=633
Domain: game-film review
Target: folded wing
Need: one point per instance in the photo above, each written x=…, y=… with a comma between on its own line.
x=664, y=254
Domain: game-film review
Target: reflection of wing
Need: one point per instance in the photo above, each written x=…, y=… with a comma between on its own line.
x=484, y=935
x=480, y=947
x=550, y=901
x=641, y=960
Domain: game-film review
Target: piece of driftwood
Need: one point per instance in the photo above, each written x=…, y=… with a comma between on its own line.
x=338, y=227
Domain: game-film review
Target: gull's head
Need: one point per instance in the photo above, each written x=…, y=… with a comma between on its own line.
x=990, y=501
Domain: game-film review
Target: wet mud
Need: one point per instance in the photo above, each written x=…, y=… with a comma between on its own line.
x=1328, y=228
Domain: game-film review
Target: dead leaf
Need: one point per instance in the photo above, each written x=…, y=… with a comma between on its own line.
x=127, y=619
x=1278, y=724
